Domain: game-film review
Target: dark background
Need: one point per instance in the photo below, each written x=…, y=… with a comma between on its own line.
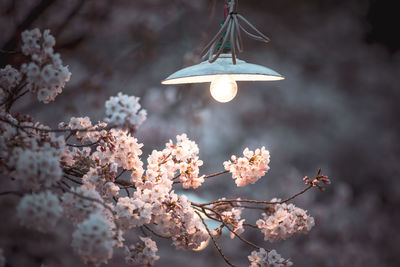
x=337, y=110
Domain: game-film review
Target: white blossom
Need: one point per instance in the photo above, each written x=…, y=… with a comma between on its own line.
x=185, y=154
x=77, y=208
x=122, y=150
x=160, y=171
x=132, y=212
x=31, y=42
x=124, y=111
x=83, y=123
x=250, y=168
x=143, y=254
x=179, y=220
x=39, y=211
x=45, y=75
x=93, y=240
x=9, y=77
x=284, y=221
x=34, y=169
x=263, y=258
x=110, y=190
x=232, y=217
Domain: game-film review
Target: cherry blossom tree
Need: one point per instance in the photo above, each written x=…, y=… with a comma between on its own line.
x=76, y=172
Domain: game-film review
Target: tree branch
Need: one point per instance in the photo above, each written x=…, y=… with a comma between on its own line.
x=215, y=242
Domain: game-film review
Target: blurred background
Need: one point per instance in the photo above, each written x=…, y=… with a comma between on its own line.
x=336, y=110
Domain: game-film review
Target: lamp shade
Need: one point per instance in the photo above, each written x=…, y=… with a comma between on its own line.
x=207, y=72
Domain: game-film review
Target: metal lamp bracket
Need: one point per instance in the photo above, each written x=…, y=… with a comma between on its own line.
x=231, y=31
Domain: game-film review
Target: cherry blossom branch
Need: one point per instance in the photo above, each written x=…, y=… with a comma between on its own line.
x=89, y=129
x=119, y=175
x=206, y=176
x=18, y=96
x=215, y=174
x=90, y=199
x=250, y=225
x=73, y=180
x=97, y=201
x=214, y=241
x=15, y=193
x=125, y=184
x=74, y=172
x=155, y=233
x=127, y=192
x=255, y=201
x=85, y=145
x=65, y=184
x=227, y=227
x=9, y=52
x=14, y=94
x=311, y=183
x=241, y=238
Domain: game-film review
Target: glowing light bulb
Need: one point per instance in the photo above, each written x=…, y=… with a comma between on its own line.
x=223, y=88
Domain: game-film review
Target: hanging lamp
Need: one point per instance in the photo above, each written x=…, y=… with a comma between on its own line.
x=223, y=68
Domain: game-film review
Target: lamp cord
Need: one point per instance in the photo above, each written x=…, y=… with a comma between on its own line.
x=231, y=30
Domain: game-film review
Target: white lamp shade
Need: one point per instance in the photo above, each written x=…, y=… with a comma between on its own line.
x=207, y=72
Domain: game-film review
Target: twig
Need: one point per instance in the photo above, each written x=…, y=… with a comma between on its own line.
x=119, y=175
x=85, y=145
x=214, y=241
x=89, y=198
x=255, y=201
x=67, y=185
x=52, y=130
x=125, y=184
x=15, y=193
x=206, y=176
x=238, y=236
x=250, y=225
x=127, y=192
x=241, y=238
x=73, y=180
x=155, y=233
x=9, y=52
x=215, y=174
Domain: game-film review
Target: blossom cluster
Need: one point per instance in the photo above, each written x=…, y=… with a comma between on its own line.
x=232, y=217
x=89, y=133
x=284, y=221
x=250, y=168
x=143, y=254
x=132, y=212
x=155, y=202
x=124, y=111
x=35, y=169
x=162, y=165
x=76, y=208
x=9, y=79
x=34, y=163
x=178, y=219
x=93, y=239
x=185, y=153
x=45, y=75
x=116, y=149
x=39, y=211
x=263, y=258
